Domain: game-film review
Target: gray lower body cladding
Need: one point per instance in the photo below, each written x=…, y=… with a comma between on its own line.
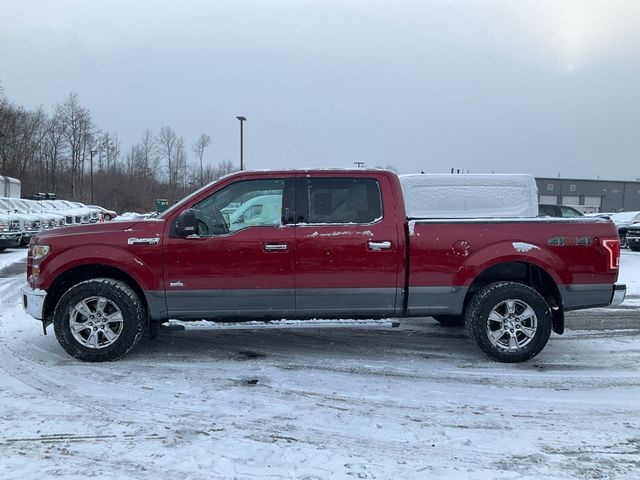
x=340, y=302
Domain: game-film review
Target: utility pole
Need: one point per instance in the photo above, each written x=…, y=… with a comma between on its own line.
x=242, y=120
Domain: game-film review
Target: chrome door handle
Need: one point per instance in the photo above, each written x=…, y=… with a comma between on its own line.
x=276, y=247
x=386, y=245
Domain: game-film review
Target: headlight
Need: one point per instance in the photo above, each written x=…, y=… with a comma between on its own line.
x=4, y=227
x=38, y=252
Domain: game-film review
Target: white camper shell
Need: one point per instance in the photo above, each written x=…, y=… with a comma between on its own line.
x=470, y=195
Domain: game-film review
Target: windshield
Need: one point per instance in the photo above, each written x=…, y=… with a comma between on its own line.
x=5, y=205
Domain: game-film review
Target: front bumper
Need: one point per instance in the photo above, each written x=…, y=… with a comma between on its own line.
x=33, y=301
x=10, y=239
x=619, y=292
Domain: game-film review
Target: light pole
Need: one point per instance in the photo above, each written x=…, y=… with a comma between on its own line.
x=92, y=153
x=242, y=120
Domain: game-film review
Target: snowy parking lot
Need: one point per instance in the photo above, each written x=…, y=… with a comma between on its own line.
x=373, y=401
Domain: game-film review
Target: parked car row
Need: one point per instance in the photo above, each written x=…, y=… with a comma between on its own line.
x=627, y=223
x=22, y=218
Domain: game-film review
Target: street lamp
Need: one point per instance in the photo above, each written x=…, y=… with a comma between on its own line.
x=92, y=153
x=242, y=120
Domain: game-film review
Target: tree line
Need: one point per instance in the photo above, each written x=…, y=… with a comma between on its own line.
x=56, y=151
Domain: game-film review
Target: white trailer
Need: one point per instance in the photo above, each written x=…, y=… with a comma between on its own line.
x=9, y=187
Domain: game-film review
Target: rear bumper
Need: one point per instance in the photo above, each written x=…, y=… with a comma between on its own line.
x=633, y=241
x=619, y=292
x=581, y=296
x=33, y=301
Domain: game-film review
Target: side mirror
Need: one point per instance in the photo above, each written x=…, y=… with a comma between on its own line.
x=186, y=223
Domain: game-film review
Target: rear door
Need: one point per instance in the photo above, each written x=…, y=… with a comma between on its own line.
x=347, y=259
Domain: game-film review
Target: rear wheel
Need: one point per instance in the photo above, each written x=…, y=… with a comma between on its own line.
x=450, y=320
x=99, y=320
x=509, y=321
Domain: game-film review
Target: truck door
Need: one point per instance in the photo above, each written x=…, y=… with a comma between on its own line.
x=238, y=264
x=347, y=258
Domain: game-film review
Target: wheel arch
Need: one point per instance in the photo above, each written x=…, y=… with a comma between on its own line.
x=527, y=273
x=80, y=273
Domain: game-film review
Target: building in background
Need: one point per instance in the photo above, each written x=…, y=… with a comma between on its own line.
x=590, y=196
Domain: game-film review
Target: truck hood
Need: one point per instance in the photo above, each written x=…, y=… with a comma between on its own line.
x=94, y=232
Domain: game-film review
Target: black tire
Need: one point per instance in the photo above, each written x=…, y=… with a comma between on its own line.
x=450, y=320
x=107, y=217
x=517, y=325
x=2, y=249
x=635, y=249
x=120, y=298
x=623, y=242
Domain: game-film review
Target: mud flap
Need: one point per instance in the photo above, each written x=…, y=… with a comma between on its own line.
x=557, y=316
x=45, y=324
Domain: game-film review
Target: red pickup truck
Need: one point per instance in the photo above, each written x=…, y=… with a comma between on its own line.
x=317, y=244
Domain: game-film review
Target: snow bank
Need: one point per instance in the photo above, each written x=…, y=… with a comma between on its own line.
x=470, y=195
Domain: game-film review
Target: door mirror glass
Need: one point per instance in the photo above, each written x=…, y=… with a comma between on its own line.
x=186, y=223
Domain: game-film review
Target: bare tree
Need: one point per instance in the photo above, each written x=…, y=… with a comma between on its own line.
x=167, y=140
x=76, y=122
x=198, y=148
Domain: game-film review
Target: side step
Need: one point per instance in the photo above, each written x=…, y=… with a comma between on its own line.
x=176, y=325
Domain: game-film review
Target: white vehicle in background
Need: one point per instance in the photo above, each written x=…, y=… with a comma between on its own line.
x=25, y=207
x=56, y=219
x=106, y=214
x=30, y=224
x=262, y=210
x=92, y=212
x=10, y=234
x=623, y=221
x=73, y=215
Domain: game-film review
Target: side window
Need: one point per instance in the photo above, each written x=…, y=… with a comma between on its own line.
x=344, y=200
x=569, y=212
x=241, y=205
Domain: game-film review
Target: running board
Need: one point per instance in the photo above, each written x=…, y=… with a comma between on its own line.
x=254, y=325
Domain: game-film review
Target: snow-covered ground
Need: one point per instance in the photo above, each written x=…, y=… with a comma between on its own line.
x=417, y=401
x=12, y=255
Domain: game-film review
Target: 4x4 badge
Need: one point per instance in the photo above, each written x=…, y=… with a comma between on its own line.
x=571, y=241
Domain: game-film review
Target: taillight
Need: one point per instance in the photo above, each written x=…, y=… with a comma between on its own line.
x=612, y=246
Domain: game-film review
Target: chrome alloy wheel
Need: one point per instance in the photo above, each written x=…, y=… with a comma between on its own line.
x=95, y=322
x=511, y=325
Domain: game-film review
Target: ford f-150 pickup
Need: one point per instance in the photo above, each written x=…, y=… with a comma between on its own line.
x=340, y=245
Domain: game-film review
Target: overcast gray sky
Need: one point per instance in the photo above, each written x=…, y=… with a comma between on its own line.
x=532, y=86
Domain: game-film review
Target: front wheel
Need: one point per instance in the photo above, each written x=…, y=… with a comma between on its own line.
x=99, y=320
x=509, y=321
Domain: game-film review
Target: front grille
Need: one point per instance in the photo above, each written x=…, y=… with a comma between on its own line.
x=635, y=232
x=15, y=225
x=78, y=220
